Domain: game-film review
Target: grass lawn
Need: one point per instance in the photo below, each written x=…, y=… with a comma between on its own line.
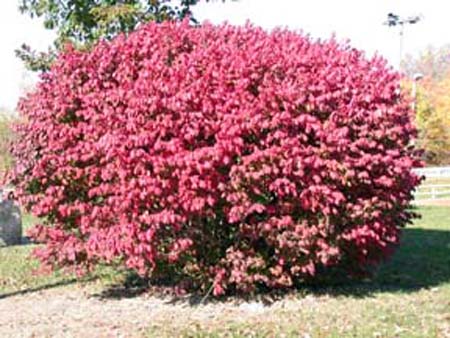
x=409, y=296
x=18, y=272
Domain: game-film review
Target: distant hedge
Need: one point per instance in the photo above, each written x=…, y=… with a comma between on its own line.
x=218, y=156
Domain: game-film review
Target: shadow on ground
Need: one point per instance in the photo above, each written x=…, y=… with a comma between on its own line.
x=37, y=289
x=422, y=261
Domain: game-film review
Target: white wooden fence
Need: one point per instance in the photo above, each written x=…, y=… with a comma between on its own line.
x=436, y=185
x=434, y=172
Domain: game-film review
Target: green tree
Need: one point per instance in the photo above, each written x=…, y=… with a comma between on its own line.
x=83, y=22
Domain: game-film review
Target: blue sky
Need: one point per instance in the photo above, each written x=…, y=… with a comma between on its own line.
x=360, y=21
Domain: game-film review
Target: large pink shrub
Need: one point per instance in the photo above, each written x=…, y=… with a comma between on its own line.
x=224, y=156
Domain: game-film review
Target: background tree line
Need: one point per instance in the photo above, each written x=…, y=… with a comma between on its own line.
x=433, y=102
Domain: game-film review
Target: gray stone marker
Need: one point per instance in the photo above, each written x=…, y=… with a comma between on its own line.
x=10, y=221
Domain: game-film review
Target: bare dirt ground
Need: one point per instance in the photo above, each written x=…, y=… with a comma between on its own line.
x=80, y=312
x=71, y=313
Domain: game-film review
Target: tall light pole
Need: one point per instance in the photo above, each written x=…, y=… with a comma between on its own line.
x=394, y=20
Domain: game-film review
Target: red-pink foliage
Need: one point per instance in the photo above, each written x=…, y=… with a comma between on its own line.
x=227, y=156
